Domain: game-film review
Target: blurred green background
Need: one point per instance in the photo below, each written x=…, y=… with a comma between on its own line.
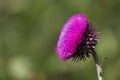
x=29, y=31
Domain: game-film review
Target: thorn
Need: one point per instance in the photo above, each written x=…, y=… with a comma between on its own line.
x=96, y=39
x=89, y=34
x=90, y=51
x=88, y=46
x=88, y=42
x=90, y=39
x=93, y=46
x=93, y=35
x=93, y=42
x=97, y=33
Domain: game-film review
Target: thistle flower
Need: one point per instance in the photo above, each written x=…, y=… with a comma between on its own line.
x=77, y=39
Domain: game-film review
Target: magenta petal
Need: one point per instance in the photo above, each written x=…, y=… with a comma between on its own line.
x=71, y=36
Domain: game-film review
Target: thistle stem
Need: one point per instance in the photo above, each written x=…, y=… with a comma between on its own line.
x=98, y=67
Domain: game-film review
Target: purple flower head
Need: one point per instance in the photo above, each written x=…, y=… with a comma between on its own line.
x=77, y=38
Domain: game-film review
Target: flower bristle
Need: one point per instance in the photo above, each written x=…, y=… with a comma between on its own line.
x=86, y=47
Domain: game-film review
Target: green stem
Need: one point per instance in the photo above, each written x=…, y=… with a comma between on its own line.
x=98, y=67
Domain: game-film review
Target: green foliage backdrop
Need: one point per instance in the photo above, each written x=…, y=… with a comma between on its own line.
x=29, y=30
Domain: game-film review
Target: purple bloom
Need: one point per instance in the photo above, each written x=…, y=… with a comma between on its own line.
x=77, y=38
